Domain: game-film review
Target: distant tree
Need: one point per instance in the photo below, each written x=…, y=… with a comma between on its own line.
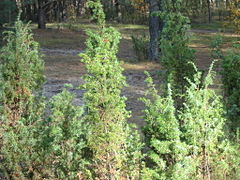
x=176, y=55
x=7, y=11
x=234, y=11
x=41, y=15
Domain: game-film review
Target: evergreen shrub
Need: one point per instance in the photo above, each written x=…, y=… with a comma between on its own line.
x=21, y=105
x=111, y=145
x=176, y=56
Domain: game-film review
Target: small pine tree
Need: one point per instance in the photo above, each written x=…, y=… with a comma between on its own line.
x=175, y=53
x=216, y=47
x=168, y=156
x=203, y=122
x=21, y=72
x=105, y=108
x=230, y=78
x=21, y=75
x=63, y=139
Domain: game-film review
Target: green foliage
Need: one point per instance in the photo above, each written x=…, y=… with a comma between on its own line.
x=230, y=78
x=19, y=158
x=203, y=123
x=21, y=72
x=168, y=156
x=175, y=53
x=20, y=78
x=110, y=143
x=234, y=14
x=196, y=148
x=98, y=13
x=231, y=84
x=133, y=148
x=233, y=159
x=105, y=107
x=63, y=139
x=140, y=45
x=216, y=47
x=31, y=146
x=226, y=161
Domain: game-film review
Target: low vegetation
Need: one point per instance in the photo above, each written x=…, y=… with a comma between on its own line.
x=190, y=131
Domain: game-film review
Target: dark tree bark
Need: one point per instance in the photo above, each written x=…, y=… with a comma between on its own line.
x=155, y=28
x=41, y=15
x=118, y=10
x=209, y=11
x=29, y=13
x=78, y=8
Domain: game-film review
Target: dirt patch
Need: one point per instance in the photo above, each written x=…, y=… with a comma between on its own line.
x=61, y=69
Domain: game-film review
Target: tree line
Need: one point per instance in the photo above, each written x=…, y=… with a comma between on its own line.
x=121, y=11
x=125, y=11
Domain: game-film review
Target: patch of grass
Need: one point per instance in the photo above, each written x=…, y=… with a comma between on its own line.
x=52, y=38
x=214, y=26
x=201, y=39
x=205, y=39
x=58, y=43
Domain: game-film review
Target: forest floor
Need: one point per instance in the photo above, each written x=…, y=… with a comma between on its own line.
x=61, y=49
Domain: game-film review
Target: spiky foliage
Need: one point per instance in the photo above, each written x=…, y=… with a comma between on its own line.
x=133, y=146
x=175, y=53
x=216, y=47
x=98, y=13
x=231, y=79
x=106, y=109
x=203, y=118
x=20, y=78
x=21, y=72
x=62, y=142
x=168, y=155
x=19, y=158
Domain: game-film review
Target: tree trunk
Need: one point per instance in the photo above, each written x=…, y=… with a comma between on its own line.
x=78, y=8
x=118, y=11
x=209, y=11
x=41, y=16
x=155, y=27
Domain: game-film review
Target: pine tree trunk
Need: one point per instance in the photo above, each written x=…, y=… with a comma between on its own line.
x=155, y=27
x=118, y=11
x=209, y=11
x=41, y=16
